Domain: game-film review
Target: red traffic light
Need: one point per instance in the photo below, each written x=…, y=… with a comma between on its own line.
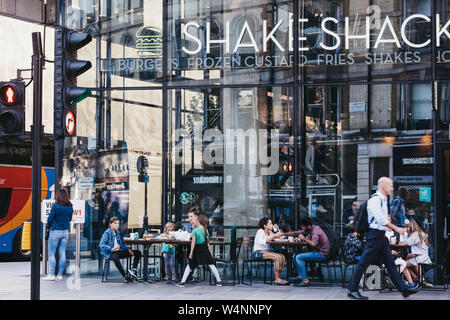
x=8, y=95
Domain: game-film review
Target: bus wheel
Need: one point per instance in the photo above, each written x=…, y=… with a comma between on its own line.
x=21, y=255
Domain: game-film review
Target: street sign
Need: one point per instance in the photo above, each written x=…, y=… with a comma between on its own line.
x=85, y=183
x=70, y=123
x=79, y=210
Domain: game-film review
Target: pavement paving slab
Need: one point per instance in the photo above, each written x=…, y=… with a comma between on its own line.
x=15, y=285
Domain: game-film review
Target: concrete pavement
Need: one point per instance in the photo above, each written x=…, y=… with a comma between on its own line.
x=15, y=285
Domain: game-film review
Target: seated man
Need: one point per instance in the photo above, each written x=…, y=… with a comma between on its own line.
x=349, y=215
x=111, y=247
x=315, y=237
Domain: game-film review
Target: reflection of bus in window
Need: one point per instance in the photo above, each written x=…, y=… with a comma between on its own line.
x=16, y=193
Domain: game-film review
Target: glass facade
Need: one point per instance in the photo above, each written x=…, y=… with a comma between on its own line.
x=249, y=109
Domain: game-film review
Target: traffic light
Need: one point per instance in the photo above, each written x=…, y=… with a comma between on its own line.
x=12, y=108
x=286, y=169
x=67, y=69
x=142, y=167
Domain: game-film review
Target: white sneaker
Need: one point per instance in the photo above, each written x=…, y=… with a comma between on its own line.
x=59, y=278
x=49, y=277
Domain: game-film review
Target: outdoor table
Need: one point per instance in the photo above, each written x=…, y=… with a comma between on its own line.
x=399, y=246
x=290, y=246
x=402, y=247
x=147, y=243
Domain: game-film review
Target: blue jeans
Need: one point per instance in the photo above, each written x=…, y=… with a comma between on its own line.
x=61, y=237
x=301, y=258
x=169, y=264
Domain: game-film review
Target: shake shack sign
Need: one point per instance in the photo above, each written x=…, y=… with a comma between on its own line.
x=198, y=44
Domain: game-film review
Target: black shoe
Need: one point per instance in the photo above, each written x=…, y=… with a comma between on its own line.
x=181, y=285
x=357, y=295
x=295, y=280
x=302, y=284
x=132, y=274
x=409, y=291
x=128, y=279
x=389, y=284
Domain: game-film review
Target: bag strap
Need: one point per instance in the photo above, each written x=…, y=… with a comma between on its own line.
x=374, y=195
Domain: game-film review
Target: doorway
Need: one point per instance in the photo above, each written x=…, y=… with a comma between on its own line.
x=443, y=204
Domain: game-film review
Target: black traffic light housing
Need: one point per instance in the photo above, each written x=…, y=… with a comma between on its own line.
x=67, y=69
x=12, y=108
x=142, y=167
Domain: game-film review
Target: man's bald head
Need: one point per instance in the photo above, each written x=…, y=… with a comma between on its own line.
x=385, y=185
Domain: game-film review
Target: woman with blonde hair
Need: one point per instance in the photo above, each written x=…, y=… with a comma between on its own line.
x=418, y=240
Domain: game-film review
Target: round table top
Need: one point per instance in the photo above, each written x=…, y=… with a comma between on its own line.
x=399, y=246
x=287, y=243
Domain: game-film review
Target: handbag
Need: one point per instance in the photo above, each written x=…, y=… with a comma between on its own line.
x=256, y=255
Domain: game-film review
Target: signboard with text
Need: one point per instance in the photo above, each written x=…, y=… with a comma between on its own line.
x=79, y=210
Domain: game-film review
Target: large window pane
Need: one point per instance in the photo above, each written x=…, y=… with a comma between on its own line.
x=230, y=42
x=364, y=40
x=233, y=156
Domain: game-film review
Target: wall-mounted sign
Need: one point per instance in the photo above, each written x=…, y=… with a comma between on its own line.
x=85, y=183
x=413, y=179
x=149, y=42
x=186, y=198
x=357, y=106
x=425, y=194
x=116, y=186
x=412, y=161
x=207, y=180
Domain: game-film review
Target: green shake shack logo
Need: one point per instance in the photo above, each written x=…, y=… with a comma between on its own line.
x=149, y=42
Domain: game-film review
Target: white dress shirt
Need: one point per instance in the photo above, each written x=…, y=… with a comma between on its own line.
x=377, y=212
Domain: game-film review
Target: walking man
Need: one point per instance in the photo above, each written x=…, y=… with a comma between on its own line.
x=377, y=248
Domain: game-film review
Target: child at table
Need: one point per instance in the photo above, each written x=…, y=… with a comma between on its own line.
x=168, y=252
x=418, y=240
x=200, y=254
x=394, y=238
x=112, y=248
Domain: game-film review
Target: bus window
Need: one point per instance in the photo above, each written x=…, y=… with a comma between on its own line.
x=5, y=198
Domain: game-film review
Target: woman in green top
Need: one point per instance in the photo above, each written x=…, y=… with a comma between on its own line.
x=200, y=254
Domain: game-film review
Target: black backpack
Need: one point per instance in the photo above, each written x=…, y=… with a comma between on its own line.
x=333, y=239
x=360, y=222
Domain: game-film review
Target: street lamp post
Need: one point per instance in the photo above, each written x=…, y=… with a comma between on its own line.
x=36, y=166
x=142, y=167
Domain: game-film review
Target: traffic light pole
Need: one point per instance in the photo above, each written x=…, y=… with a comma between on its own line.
x=36, y=170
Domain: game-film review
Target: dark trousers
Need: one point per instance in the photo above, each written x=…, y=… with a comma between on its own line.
x=376, y=249
x=121, y=254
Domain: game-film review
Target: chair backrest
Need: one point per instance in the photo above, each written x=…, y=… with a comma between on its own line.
x=249, y=247
x=237, y=249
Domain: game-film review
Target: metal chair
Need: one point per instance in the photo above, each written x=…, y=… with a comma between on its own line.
x=436, y=267
x=234, y=256
x=248, y=253
x=106, y=268
x=316, y=272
